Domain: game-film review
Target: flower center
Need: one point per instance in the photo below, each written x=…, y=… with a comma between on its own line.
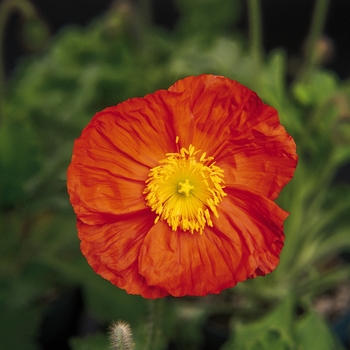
x=185, y=189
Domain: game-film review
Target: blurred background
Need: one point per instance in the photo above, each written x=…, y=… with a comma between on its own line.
x=62, y=61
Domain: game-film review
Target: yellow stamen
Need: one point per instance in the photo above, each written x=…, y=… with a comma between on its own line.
x=184, y=190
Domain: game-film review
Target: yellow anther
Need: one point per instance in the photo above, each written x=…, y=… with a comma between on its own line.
x=185, y=191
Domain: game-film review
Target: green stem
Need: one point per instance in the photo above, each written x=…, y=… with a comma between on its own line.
x=146, y=13
x=316, y=30
x=6, y=8
x=140, y=22
x=154, y=333
x=255, y=31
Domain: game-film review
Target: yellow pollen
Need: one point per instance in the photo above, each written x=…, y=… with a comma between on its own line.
x=185, y=189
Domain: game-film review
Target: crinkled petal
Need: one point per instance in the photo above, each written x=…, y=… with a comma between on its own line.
x=259, y=223
x=113, y=156
x=212, y=101
x=244, y=135
x=186, y=264
x=248, y=231
x=265, y=164
x=112, y=250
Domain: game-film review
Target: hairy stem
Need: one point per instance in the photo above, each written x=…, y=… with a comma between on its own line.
x=154, y=333
x=316, y=30
x=255, y=31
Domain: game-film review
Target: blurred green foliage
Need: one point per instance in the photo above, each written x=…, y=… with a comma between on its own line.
x=53, y=96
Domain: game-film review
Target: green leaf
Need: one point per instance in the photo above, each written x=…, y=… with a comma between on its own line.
x=207, y=17
x=273, y=331
x=312, y=332
x=19, y=158
x=272, y=83
x=317, y=89
x=271, y=87
x=283, y=329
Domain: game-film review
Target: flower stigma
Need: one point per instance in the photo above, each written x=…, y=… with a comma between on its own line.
x=185, y=189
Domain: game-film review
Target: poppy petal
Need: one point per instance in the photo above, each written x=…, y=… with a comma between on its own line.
x=212, y=101
x=113, y=156
x=112, y=250
x=225, y=254
x=185, y=264
x=243, y=134
x=259, y=223
x=265, y=164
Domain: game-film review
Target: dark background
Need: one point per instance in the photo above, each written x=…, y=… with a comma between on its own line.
x=285, y=25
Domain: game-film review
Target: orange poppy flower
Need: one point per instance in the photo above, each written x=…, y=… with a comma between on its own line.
x=174, y=192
